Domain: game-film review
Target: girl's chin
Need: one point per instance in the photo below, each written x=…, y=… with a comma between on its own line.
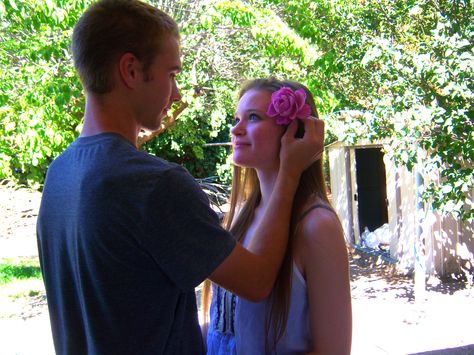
x=239, y=162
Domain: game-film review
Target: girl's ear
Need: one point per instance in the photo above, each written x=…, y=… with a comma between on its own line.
x=129, y=70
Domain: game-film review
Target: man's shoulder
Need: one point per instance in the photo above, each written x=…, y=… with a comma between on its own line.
x=112, y=151
x=107, y=161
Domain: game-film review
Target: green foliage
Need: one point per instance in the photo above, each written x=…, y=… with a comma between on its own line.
x=42, y=103
x=40, y=97
x=19, y=271
x=400, y=72
x=207, y=87
x=419, y=61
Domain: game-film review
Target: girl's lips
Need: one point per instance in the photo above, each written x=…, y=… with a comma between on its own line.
x=240, y=144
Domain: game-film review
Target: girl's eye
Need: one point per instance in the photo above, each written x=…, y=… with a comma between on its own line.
x=253, y=117
x=236, y=120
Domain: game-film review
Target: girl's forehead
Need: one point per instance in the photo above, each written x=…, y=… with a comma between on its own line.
x=255, y=99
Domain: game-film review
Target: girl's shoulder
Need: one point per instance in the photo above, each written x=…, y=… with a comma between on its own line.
x=314, y=207
x=318, y=223
x=316, y=211
x=318, y=235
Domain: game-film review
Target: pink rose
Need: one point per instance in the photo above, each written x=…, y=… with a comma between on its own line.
x=287, y=105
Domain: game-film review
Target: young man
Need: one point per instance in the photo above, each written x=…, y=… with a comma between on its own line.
x=124, y=237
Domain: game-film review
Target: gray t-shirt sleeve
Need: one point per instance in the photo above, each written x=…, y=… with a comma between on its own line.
x=183, y=233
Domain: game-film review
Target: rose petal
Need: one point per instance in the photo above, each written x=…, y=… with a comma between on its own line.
x=283, y=121
x=300, y=96
x=291, y=116
x=287, y=105
x=304, y=112
x=285, y=90
x=271, y=111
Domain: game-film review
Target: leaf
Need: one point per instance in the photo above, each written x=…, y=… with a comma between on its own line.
x=13, y=4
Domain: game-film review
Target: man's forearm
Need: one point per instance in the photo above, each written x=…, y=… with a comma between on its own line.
x=270, y=239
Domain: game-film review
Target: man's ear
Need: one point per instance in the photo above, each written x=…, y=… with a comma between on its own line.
x=129, y=69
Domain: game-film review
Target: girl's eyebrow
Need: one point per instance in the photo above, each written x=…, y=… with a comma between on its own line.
x=251, y=110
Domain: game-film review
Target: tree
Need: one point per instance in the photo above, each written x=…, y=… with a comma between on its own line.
x=41, y=103
x=404, y=67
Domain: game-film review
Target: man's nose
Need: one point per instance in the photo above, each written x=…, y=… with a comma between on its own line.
x=175, y=94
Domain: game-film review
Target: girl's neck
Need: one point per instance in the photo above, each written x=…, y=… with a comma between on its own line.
x=267, y=181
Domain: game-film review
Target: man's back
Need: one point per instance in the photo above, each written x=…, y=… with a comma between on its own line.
x=124, y=238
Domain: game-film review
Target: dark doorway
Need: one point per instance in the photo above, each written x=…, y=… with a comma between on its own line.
x=371, y=188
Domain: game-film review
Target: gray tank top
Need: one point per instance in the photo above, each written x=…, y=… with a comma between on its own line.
x=238, y=326
x=250, y=323
x=250, y=318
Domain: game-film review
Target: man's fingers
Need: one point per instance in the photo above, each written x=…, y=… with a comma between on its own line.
x=319, y=127
x=299, y=153
x=314, y=132
x=291, y=130
x=313, y=125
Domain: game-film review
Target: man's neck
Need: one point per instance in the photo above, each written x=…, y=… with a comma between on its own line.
x=104, y=114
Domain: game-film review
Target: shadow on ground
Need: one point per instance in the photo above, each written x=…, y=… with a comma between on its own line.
x=462, y=350
x=379, y=276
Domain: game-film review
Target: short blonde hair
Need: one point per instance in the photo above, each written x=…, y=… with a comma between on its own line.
x=110, y=28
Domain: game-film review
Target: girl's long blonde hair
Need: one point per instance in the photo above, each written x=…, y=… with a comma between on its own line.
x=245, y=197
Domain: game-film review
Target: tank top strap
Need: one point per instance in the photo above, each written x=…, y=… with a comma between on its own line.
x=309, y=209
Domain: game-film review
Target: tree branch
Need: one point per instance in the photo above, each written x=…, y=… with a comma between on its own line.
x=168, y=122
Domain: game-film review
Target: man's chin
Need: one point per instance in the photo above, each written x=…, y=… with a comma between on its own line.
x=153, y=126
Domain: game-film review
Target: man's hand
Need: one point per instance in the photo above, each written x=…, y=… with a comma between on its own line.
x=297, y=154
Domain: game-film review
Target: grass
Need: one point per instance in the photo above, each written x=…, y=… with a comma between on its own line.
x=12, y=270
x=22, y=291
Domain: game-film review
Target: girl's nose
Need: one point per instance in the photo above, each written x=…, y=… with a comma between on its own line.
x=238, y=128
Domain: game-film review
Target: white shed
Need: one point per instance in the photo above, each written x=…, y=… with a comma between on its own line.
x=370, y=191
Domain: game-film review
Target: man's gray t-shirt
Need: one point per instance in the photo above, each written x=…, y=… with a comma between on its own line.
x=124, y=237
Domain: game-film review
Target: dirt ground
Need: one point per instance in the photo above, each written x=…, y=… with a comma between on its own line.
x=387, y=319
